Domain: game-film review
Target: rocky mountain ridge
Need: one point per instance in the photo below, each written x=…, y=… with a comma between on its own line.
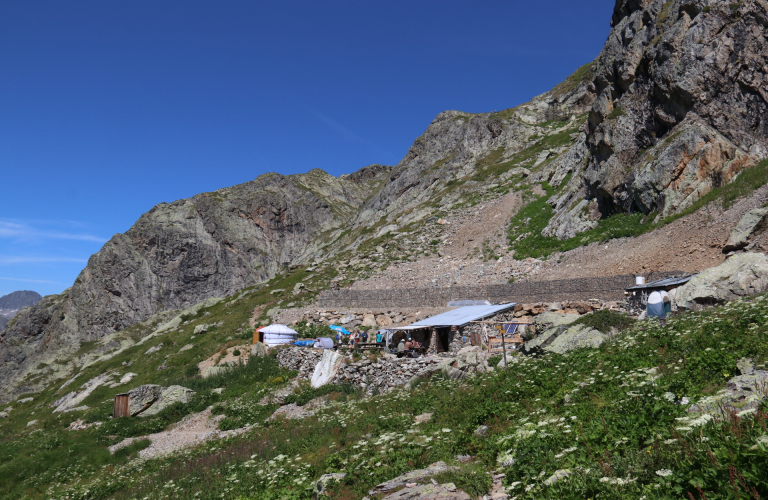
x=673, y=107
x=13, y=302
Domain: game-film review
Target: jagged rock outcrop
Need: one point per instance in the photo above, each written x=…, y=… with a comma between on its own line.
x=681, y=104
x=181, y=253
x=681, y=108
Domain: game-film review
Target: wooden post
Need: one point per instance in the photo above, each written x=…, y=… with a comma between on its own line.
x=503, y=347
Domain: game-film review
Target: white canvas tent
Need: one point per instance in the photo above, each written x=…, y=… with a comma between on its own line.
x=278, y=334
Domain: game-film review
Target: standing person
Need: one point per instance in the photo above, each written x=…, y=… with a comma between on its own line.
x=352, y=338
x=364, y=336
x=379, y=337
x=338, y=337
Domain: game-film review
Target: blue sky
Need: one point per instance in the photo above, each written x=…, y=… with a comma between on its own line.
x=108, y=108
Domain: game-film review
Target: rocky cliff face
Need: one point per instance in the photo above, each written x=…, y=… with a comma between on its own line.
x=681, y=108
x=181, y=253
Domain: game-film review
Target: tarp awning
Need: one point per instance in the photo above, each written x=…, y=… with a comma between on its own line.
x=463, y=315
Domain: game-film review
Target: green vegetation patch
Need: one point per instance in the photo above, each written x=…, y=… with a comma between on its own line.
x=605, y=320
x=306, y=394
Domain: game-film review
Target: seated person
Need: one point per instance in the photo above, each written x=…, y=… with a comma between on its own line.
x=401, y=348
x=409, y=345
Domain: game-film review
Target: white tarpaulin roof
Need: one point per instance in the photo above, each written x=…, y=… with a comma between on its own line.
x=277, y=328
x=463, y=315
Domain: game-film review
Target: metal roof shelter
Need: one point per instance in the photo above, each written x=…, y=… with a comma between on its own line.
x=666, y=282
x=463, y=315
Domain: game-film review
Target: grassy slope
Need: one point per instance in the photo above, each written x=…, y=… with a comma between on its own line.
x=618, y=436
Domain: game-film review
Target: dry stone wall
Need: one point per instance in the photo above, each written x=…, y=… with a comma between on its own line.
x=607, y=288
x=381, y=374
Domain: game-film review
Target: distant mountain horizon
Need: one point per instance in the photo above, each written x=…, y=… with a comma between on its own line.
x=16, y=301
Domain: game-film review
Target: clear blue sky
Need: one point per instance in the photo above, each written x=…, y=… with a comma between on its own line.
x=110, y=107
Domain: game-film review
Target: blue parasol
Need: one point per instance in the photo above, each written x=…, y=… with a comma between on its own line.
x=339, y=329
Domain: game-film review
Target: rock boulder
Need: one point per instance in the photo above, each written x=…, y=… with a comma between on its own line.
x=740, y=276
x=327, y=368
x=752, y=222
x=142, y=397
x=169, y=396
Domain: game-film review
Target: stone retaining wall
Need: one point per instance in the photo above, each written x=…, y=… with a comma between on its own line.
x=606, y=288
x=381, y=373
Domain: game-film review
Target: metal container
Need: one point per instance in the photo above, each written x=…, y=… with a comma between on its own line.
x=639, y=280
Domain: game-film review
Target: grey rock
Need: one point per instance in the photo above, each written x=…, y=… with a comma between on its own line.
x=72, y=399
x=553, y=319
x=557, y=476
x=752, y=222
x=327, y=368
x=31, y=423
x=576, y=337
x=215, y=370
x=430, y=491
x=673, y=71
x=154, y=349
x=25, y=400
x=743, y=392
x=186, y=347
x=745, y=366
x=413, y=476
x=259, y=349
x=200, y=329
x=142, y=397
x=168, y=396
x=741, y=275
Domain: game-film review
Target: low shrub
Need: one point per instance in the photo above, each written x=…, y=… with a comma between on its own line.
x=605, y=319
x=309, y=393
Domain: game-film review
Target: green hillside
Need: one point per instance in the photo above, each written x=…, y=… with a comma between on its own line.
x=614, y=417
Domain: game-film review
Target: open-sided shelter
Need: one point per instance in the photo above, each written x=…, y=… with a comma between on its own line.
x=446, y=326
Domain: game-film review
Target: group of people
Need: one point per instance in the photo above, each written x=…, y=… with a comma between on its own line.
x=408, y=346
x=357, y=337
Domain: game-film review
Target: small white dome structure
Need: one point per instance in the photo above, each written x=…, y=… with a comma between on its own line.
x=278, y=334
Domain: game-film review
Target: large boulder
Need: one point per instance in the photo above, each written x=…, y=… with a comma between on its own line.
x=169, y=396
x=553, y=319
x=742, y=393
x=369, y=320
x=752, y=222
x=259, y=349
x=327, y=368
x=740, y=276
x=413, y=477
x=429, y=491
x=576, y=337
x=142, y=397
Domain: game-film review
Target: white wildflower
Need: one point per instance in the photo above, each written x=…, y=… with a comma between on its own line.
x=663, y=472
